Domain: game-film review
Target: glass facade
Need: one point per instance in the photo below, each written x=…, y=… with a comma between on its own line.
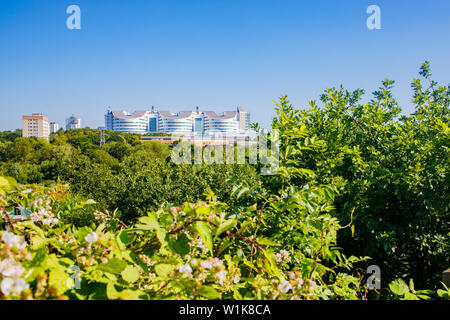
x=198, y=126
x=152, y=125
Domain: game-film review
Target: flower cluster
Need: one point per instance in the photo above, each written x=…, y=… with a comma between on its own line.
x=11, y=269
x=102, y=217
x=283, y=256
x=210, y=270
x=200, y=245
x=295, y=287
x=45, y=216
x=91, y=237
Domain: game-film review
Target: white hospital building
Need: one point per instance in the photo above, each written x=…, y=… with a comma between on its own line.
x=188, y=123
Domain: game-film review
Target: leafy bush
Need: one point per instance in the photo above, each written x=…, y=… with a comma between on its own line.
x=391, y=171
x=203, y=250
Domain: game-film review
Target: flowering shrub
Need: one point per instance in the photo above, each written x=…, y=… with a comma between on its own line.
x=282, y=246
x=203, y=250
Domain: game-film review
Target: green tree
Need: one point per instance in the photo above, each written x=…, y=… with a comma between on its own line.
x=392, y=172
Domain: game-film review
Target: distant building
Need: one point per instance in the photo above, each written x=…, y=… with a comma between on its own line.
x=54, y=127
x=73, y=123
x=197, y=123
x=35, y=125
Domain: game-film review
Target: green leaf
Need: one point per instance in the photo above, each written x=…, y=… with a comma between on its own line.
x=243, y=190
x=114, y=266
x=411, y=286
x=209, y=293
x=149, y=223
x=181, y=245
x=266, y=242
x=410, y=296
x=205, y=232
x=166, y=220
x=87, y=202
x=39, y=257
x=272, y=263
x=59, y=280
x=162, y=237
x=399, y=287
x=128, y=294
x=111, y=291
x=237, y=295
x=124, y=238
x=225, y=226
x=130, y=274
x=203, y=211
x=163, y=270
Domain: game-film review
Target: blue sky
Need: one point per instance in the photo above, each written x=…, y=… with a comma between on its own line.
x=215, y=54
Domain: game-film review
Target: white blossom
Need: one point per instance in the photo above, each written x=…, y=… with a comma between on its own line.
x=236, y=279
x=194, y=262
x=184, y=268
x=13, y=240
x=50, y=221
x=202, y=276
x=201, y=245
x=6, y=264
x=278, y=257
x=9, y=268
x=91, y=237
x=13, y=286
x=34, y=217
x=285, y=286
x=285, y=254
x=216, y=262
x=206, y=264
x=221, y=276
x=44, y=212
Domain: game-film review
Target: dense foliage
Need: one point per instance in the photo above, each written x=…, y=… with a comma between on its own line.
x=122, y=174
x=358, y=184
x=196, y=250
x=392, y=172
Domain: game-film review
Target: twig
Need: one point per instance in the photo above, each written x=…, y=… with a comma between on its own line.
x=351, y=220
x=246, y=239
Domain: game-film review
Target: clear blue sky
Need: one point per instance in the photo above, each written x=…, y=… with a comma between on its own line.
x=216, y=54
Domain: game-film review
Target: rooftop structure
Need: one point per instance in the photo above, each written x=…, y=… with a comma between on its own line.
x=197, y=123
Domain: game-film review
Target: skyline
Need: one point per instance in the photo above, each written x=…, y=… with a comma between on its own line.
x=213, y=54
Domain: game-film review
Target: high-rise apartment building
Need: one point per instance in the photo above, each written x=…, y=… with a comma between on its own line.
x=54, y=127
x=35, y=125
x=199, y=123
x=73, y=123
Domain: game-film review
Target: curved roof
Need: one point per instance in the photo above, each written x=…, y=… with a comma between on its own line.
x=179, y=115
x=226, y=115
x=123, y=115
